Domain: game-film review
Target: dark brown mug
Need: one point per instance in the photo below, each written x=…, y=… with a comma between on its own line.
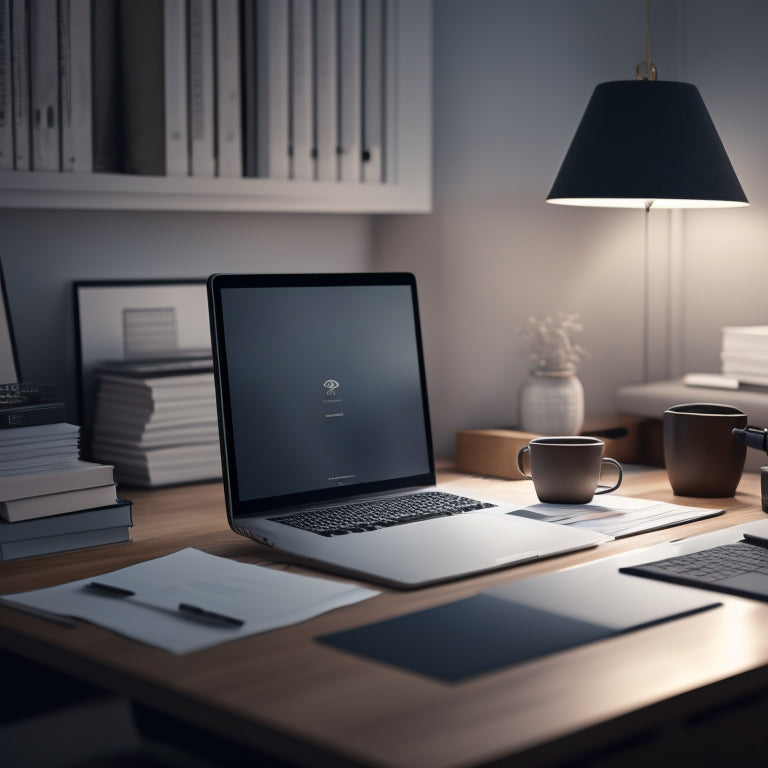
x=702, y=456
x=566, y=470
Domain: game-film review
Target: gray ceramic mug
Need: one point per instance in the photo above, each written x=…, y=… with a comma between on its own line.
x=702, y=456
x=566, y=470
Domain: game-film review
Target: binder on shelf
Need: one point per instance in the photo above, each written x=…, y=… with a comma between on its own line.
x=44, y=78
x=75, y=85
x=107, y=123
x=22, y=140
x=326, y=82
x=229, y=146
x=373, y=91
x=272, y=67
x=350, y=85
x=154, y=68
x=6, y=98
x=302, y=165
x=250, y=108
x=201, y=85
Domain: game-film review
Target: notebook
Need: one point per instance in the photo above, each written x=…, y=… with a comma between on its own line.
x=322, y=403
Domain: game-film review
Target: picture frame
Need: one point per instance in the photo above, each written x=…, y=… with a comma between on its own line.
x=9, y=361
x=118, y=320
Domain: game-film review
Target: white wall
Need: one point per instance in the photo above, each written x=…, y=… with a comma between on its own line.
x=512, y=78
x=511, y=82
x=44, y=252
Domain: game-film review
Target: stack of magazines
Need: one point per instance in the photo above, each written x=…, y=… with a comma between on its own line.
x=51, y=500
x=155, y=421
x=744, y=354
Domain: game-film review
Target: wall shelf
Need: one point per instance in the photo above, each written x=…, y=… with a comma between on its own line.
x=408, y=188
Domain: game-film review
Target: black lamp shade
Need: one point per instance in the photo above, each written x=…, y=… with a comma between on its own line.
x=642, y=142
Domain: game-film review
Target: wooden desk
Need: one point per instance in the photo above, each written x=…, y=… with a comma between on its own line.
x=286, y=695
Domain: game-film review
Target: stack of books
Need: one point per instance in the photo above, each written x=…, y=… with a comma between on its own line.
x=155, y=421
x=51, y=500
x=744, y=354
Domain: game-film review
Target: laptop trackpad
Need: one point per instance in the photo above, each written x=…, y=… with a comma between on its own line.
x=446, y=547
x=754, y=583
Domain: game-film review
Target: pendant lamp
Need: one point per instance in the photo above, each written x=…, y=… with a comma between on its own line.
x=644, y=143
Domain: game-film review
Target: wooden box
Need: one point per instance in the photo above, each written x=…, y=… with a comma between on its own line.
x=494, y=451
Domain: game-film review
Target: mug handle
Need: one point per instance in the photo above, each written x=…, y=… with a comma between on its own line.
x=605, y=489
x=520, y=455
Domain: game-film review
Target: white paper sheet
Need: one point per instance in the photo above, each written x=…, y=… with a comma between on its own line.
x=262, y=597
x=617, y=516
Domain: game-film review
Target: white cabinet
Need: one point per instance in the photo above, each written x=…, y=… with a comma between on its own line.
x=407, y=156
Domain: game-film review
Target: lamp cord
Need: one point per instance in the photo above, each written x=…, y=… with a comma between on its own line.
x=650, y=73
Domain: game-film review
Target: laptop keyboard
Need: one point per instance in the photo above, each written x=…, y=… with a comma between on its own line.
x=713, y=565
x=362, y=516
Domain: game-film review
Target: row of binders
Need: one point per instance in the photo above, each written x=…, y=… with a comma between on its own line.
x=281, y=89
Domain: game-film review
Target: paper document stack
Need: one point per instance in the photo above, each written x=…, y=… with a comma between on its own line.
x=50, y=500
x=155, y=420
x=744, y=353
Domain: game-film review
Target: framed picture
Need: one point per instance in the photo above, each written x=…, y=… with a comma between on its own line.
x=9, y=365
x=136, y=320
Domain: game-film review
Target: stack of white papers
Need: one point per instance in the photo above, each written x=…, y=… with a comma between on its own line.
x=255, y=598
x=617, y=516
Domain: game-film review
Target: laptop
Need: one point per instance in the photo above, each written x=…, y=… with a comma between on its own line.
x=325, y=433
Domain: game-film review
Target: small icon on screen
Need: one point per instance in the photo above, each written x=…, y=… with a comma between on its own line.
x=331, y=385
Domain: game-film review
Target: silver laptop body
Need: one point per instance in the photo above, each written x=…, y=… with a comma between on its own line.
x=322, y=401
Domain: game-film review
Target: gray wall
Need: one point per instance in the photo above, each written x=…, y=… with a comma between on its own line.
x=44, y=252
x=512, y=81
x=512, y=78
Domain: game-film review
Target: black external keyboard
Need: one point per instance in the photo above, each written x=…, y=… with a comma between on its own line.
x=362, y=516
x=715, y=564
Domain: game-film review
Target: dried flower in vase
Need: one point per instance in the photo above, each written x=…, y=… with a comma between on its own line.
x=550, y=343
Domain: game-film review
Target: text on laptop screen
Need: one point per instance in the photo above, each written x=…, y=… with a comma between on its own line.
x=324, y=386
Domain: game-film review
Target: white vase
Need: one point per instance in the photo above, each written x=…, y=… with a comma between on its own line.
x=552, y=403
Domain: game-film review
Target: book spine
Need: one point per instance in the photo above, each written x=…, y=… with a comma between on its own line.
x=373, y=91
x=44, y=545
x=229, y=150
x=22, y=140
x=250, y=108
x=350, y=87
x=302, y=165
x=272, y=49
x=140, y=24
x=75, y=85
x=107, y=116
x=177, y=155
x=6, y=90
x=72, y=522
x=326, y=84
x=44, y=59
x=32, y=416
x=201, y=88
x=58, y=503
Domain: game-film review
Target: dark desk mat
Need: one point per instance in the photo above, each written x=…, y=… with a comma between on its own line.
x=470, y=637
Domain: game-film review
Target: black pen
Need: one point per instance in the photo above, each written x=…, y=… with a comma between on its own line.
x=193, y=611
x=217, y=618
x=108, y=589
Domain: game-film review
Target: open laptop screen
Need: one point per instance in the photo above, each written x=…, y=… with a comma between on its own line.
x=321, y=387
